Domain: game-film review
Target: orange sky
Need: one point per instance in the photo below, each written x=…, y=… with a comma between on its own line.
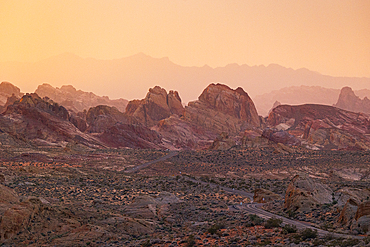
x=331, y=37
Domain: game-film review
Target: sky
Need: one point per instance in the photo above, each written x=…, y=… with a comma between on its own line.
x=328, y=36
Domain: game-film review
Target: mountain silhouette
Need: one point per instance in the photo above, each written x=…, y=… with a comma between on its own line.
x=130, y=77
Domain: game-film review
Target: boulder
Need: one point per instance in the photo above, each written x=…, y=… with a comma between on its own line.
x=303, y=194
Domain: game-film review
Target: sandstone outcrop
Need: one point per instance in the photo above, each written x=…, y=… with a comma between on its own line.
x=157, y=105
x=323, y=126
x=102, y=117
x=303, y=194
x=7, y=90
x=77, y=100
x=349, y=101
x=264, y=196
x=41, y=122
x=180, y=134
x=222, y=109
x=281, y=137
x=222, y=142
x=130, y=135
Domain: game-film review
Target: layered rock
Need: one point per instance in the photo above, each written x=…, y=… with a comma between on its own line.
x=103, y=117
x=156, y=106
x=222, y=142
x=222, y=109
x=15, y=215
x=77, y=100
x=303, y=194
x=323, y=126
x=180, y=134
x=130, y=135
x=281, y=137
x=349, y=101
x=42, y=122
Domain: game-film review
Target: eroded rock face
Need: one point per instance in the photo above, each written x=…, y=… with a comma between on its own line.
x=222, y=142
x=14, y=215
x=157, y=105
x=323, y=126
x=102, y=117
x=349, y=101
x=180, y=134
x=130, y=135
x=223, y=109
x=77, y=100
x=281, y=137
x=42, y=122
x=264, y=196
x=303, y=194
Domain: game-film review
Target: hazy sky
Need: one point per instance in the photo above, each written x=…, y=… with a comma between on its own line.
x=331, y=37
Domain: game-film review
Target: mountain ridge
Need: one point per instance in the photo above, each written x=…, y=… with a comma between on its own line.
x=129, y=77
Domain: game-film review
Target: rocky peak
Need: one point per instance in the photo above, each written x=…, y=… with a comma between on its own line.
x=235, y=103
x=348, y=100
x=32, y=100
x=102, y=117
x=7, y=90
x=156, y=105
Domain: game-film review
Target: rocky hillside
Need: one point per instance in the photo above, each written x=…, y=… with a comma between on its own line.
x=348, y=100
x=77, y=100
x=36, y=121
x=322, y=126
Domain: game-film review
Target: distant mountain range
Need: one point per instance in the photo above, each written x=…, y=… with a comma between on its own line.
x=130, y=77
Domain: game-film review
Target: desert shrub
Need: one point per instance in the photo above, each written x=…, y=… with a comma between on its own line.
x=349, y=242
x=190, y=241
x=273, y=222
x=289, y=229
x=214, y=228
x=308, y=233
x=256, y=220
x=146, y=244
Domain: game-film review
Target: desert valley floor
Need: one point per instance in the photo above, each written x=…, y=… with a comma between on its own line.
x=76, y=196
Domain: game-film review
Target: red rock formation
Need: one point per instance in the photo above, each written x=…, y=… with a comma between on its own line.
x=102, y=117
x=7, y=90
x=77, y=100
x=130, y=135
x=323, y=125
x=363, y=209
x=349, y=101
x=223, y=109
x=303, y=194
x=39, y=121
x=157, y=105
x=222, y=142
